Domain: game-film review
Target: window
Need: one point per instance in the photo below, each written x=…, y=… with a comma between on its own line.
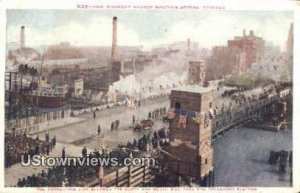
x=210, y=105
x=177, y=105
x=206, y=161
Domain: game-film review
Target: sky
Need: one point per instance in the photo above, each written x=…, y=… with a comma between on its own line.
x=146, y=28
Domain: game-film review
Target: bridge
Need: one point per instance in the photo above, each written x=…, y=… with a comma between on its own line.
x=221, y=122
x=254, y=110
x=247, y=112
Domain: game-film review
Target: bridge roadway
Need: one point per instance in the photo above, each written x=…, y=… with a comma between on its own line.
x=240, y=114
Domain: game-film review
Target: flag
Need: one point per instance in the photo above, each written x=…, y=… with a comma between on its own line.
x=171, y=113
x=130, y=103
x=199, y=118
x=171, y=137
x=182, y=121
x=207, y=142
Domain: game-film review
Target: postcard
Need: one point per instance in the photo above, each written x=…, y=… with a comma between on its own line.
x=150, y=96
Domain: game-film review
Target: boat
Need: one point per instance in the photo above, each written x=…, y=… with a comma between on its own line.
x=47, y=96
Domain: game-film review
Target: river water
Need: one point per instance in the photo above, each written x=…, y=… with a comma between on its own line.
x=241, y=158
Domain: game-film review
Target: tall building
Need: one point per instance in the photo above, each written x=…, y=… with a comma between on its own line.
x=238, y=56
x=252, y=45
x=191, y=153
x=223, y=61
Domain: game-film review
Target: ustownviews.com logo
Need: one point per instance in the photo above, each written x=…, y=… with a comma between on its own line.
x=40, y=160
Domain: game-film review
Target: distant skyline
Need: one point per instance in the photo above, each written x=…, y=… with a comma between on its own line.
x=145, y=28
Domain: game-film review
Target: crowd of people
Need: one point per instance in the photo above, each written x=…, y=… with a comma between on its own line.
x=20, y=144
x=148, y=142
x=76, y=175
x=26, y=69
x=115, y=125
x=282, y=157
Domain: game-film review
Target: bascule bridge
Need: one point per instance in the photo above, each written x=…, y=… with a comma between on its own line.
x=190, y=152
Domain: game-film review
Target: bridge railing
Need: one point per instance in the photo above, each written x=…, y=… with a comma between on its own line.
x=240, y=114
x=127, y=176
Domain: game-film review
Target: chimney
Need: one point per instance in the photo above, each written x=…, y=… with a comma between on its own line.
x=251, y=33
x=188, y=44
x=244, y=33
x=114, y=39
x=22, y=37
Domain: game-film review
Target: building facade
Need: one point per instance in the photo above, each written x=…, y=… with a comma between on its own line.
x=190, y=148
x=237, y=56
x=251, y=45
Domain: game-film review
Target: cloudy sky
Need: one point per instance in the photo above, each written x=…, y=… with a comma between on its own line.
x=145, y=28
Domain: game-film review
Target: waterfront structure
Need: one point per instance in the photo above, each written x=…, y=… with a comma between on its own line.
x=190, y=134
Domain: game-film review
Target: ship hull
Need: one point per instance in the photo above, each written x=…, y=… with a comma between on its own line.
x=46, y=101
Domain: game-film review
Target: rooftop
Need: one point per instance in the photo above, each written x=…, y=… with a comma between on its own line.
x=194, y=89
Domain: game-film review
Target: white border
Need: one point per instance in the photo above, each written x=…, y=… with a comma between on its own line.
x=230, y=5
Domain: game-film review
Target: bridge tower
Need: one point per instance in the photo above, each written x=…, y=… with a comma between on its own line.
x=190, y=151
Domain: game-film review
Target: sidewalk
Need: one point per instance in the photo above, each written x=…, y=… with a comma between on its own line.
x=54, y=124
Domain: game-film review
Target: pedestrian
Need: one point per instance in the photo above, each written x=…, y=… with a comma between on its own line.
x=94, y=114
x=19, y=184
x=63, y=153
x=54, y=140
x=133, y=119
x=99, y=130
x=84, y=152
x=112, y=126
x=149, y=115
x=47, y=149
x=96, y=153
x=117, y=124
x=47, y=137
x=37, y=150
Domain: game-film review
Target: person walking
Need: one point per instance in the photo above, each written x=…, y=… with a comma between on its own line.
x=94, y=112
x=117, y=124
x=112, y=125
x=84, y=152
x=63, y=153
x=99, y=130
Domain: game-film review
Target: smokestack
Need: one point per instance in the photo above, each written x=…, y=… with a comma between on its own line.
x=114, y=39
x=251, y=33
x=22, y=37
x=244, y=33
x=188, y=44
